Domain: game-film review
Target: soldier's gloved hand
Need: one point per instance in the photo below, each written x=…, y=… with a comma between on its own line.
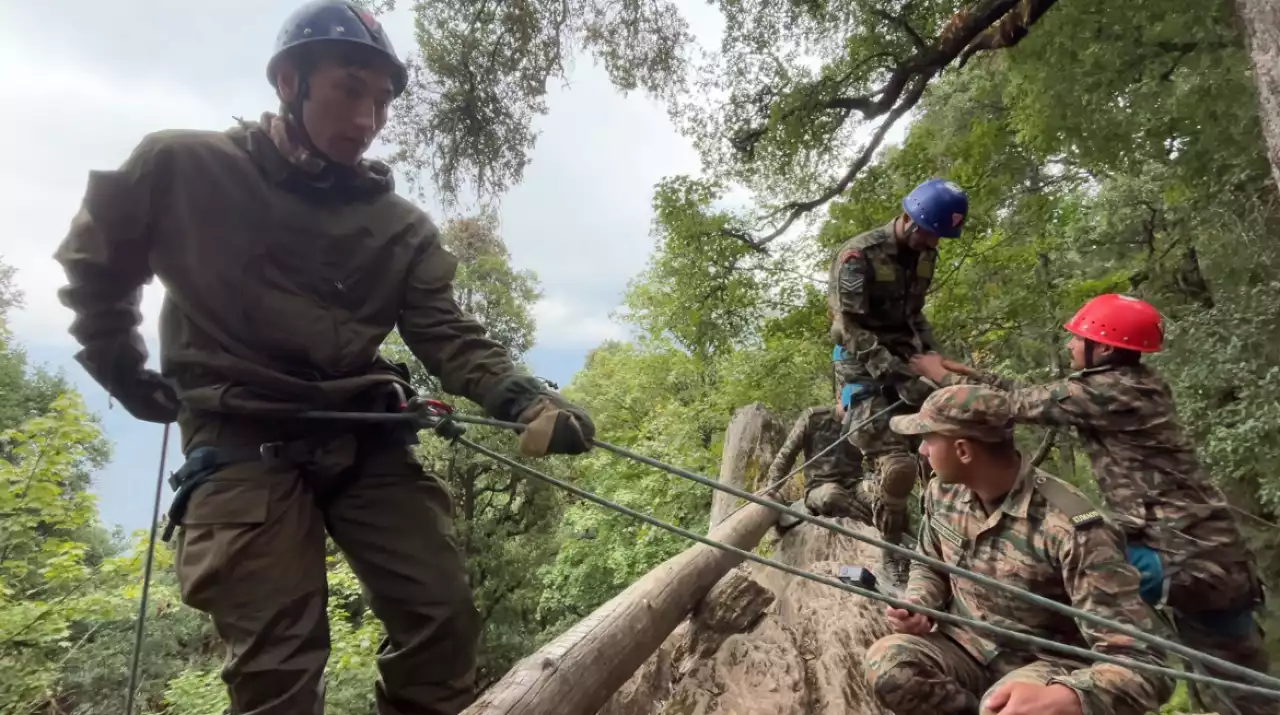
x=147, y=397
x=1150, y=570
x=554, y=426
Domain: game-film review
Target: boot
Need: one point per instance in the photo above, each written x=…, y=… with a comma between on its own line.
x=787, y=522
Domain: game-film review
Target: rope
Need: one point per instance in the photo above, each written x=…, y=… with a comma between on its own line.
x=937, y=565
x=146, y=580
x=435, y=420
x=937, y=616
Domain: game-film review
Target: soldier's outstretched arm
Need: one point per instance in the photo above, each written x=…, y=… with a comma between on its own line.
x=455, y=348
x=981, y=377
x=451, y=344
x=926, y=586
x=790, y=448
x=1100, y=581
x=106, y=257
x=1069, y=402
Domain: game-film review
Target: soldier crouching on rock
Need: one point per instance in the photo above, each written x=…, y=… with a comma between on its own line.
x=287, y=260
x=990, y=511
x=834, y=483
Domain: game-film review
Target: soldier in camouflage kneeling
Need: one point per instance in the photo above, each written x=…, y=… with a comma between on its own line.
x=834, y=484
x=991, y=511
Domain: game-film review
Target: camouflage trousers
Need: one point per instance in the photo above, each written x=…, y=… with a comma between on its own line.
x=1241, y=645
x=840, y=499
x=933, y=674
x=893, y=458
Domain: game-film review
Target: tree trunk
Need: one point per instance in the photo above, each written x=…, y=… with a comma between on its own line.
x=578, y=672
x=750, y=441
x=1262, y=32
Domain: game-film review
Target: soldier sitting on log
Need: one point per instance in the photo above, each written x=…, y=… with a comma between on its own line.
x=991, y=511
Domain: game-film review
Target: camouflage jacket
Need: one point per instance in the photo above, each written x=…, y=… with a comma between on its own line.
x=875, y=297
x=814, y=431
x=1045, y=538
x=1146, y=467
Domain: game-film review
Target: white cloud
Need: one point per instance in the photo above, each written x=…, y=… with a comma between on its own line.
x=565, y=324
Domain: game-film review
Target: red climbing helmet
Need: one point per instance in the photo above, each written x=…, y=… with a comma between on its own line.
x=1119, y=321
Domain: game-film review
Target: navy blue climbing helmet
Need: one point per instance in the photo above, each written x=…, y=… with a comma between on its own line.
x=336, y=21
x=938, y=206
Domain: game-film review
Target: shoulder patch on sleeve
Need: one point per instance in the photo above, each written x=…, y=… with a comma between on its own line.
x=1079, y=510
x=847, y=255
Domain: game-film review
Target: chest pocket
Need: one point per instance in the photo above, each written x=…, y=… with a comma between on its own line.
x=924, y=267
x=953, y=545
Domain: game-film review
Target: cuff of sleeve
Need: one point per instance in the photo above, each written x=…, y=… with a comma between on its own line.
x=927, y=600
x=954, y=378
x=1082, y=685
x=511, y=396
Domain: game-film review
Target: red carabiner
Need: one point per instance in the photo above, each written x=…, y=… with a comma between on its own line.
x=432, y=407
x=438, y=406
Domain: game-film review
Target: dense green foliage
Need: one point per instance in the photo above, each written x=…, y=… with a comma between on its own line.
x=1116, y=148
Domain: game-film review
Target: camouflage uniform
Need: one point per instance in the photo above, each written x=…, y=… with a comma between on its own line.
x=1161, y=497
x=833, y=483
x=1044, y=537
x=876, y=293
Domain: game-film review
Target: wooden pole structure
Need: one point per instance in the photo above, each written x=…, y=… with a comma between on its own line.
x=578, y=672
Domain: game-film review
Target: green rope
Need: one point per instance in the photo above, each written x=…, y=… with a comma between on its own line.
x=431, y=421
x=938, y=616
x=1061, y=608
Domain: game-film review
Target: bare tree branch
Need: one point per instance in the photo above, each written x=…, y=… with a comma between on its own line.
x=1046, y=445
x=904, y=88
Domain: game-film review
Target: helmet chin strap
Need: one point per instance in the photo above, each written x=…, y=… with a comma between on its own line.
x=1088, y=354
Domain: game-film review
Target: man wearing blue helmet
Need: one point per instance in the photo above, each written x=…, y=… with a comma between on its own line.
x=287, y=259
x=875, y=297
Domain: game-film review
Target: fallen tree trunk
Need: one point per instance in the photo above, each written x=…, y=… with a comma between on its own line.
x=578, y=672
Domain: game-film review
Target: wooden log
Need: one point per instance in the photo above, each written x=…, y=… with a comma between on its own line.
x=577, y=673
x=750, y=441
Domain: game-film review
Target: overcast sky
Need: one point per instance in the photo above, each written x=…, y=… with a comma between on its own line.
x=81, y=90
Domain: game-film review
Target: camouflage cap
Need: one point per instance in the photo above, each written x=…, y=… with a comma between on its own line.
x=972, y=411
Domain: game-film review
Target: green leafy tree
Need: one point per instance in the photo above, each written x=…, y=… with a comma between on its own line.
x=505, y=523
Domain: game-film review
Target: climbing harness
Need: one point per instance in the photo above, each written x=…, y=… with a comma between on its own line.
x=937, y=616
x=146, y=579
